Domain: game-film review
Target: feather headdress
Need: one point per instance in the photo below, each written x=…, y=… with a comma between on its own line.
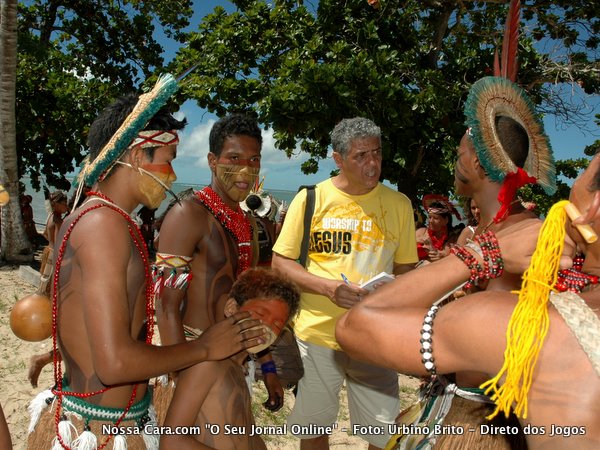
x=146, y=107
x=500, y=96
x=491, y=97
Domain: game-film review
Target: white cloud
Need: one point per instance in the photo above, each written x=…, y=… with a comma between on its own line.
x=280, y=172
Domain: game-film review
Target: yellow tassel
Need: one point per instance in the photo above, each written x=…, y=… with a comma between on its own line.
x=529, y=322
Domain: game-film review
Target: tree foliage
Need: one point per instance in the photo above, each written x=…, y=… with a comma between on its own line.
x=407, y=65
x=74, y=57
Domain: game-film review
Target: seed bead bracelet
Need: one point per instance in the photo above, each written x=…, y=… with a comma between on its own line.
x=427, y=340
x=471, y=262
x=486, y=245
x=493, y=266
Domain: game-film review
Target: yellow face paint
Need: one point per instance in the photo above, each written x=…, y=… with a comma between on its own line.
x=155, y=182
x=236, y=180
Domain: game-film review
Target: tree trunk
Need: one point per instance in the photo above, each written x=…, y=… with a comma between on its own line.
x=14, y=245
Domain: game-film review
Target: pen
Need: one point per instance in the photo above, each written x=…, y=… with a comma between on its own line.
x=345, y=279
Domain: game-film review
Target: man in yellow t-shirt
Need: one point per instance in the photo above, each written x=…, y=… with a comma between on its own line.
x=359, y=228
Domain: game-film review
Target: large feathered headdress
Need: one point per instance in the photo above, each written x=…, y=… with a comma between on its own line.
x=491, y=97
x=146, y=107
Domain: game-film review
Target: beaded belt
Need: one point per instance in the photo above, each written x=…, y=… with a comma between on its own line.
x=137, y=411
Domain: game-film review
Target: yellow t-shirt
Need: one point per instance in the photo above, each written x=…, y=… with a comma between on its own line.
x=357, y=235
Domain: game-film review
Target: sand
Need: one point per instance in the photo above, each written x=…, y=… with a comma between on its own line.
x=16, y=392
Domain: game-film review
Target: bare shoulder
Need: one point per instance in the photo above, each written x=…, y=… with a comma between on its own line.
x=188, y=210
x=98, y=225
x=186, y=220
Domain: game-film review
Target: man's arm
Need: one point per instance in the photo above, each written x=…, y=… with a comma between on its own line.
x=117, y=355
x=342, y=294
x=467, y=335
x=399, y=269
x=180, y=234
x=385, y=326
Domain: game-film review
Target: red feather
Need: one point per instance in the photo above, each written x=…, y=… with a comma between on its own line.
x=510, y=42
x=497, y=72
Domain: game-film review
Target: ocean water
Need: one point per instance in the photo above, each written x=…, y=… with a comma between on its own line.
x=40, y=214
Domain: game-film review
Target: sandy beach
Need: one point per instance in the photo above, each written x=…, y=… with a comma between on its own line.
x=16, y=392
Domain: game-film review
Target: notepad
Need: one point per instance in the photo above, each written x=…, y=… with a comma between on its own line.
x=382, y=277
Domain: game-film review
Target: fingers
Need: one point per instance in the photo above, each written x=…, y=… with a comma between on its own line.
x=274, y=404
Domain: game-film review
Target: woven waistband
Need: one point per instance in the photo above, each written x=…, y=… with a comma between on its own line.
x=94, y=412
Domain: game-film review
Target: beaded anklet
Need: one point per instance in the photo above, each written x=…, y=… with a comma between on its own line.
x=427, y=340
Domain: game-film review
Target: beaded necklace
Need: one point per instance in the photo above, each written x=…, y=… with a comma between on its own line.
x=573, y=279
x=236, y=223
x=437, y=242
x=140, y=244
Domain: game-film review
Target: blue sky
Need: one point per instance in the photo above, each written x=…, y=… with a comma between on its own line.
x=283, y=173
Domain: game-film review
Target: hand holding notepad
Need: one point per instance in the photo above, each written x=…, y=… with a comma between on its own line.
x=378, y=279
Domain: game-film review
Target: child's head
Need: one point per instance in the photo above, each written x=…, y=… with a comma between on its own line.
x=269, y=296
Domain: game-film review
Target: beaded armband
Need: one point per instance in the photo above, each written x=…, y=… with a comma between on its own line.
x=486, y=245
x=427, y=340
x=172, y=271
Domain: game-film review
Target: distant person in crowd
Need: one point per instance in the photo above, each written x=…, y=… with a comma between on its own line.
x=216, y=392
x=28, y=219
x=58, y=209
x=434, y=240
x=473, y=215
x=359, y=228
x=146, y=215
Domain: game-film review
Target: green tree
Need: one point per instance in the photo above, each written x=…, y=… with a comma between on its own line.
x=74, y=57
x=407, y=65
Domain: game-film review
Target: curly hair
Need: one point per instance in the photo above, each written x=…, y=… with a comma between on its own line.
x=266, y=284
x=232, y=125
x=349, y=129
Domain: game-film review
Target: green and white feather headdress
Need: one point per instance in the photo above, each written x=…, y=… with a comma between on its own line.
x=491, y=97
x=146, y=107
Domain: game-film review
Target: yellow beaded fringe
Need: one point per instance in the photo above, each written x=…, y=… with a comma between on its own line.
x=529, y=322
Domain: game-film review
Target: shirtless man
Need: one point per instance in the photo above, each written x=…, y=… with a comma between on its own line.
x=199, y=398
x=102, y=294
x=213, y=237
x=563, y=402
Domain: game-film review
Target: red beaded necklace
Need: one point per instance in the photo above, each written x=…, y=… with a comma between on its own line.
x=236, y=222
x=140, y=244
x=573, y=279
x=437, y=242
